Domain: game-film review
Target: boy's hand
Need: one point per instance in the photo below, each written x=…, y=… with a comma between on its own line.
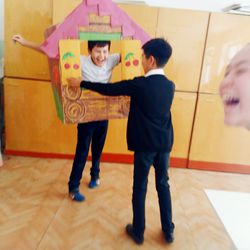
x=19, y=39
x=74, y=82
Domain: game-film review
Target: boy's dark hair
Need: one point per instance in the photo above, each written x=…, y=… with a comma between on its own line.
x=160, y=49
x=92, y=44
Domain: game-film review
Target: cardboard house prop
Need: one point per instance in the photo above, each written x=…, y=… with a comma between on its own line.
x=67, y=41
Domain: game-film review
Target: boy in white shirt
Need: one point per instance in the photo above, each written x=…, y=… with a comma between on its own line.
x=98, y=65
x=95, y=67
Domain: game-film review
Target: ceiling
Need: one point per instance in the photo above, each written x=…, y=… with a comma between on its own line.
x=206, y=5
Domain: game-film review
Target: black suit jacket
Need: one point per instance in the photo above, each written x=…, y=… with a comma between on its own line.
x=149, y=126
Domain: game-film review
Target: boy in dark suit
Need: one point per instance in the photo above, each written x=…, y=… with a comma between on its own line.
x=149, y=132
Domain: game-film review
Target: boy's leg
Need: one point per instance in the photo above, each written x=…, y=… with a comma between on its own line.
x=161, y=165
x=84, y=135
x=98, y=140
x=1, y=160
x=142, y=164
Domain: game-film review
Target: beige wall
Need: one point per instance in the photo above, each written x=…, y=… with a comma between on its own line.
x=202, y=45
x=29, y=18
x=31, y=121
x=212, y=141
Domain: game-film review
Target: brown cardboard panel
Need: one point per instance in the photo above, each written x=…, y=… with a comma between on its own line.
x=75, y=105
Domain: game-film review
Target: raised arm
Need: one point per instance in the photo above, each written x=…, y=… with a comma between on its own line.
x=26, y=43
x=125, y=87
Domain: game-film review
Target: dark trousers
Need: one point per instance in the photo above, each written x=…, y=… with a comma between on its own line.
x=94, y=132
x=142, y=164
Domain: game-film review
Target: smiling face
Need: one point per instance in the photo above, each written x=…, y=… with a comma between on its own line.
x=235, y=90
x=99, y=55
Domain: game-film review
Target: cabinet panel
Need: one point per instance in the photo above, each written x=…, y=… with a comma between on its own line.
x=116, y=142
x=30, y=19
x=145, y=17
x=31, y=121
x=186, y=32
x=213, y=142
x=226, y=35
x=61, y=8
x=182, y=116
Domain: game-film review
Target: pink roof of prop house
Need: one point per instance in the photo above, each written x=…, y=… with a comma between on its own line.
x=79, y=17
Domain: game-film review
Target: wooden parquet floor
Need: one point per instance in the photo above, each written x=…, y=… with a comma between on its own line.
x=36, y=212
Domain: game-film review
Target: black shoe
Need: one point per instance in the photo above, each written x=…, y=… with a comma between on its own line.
x=130, y=231
x=169, y=237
